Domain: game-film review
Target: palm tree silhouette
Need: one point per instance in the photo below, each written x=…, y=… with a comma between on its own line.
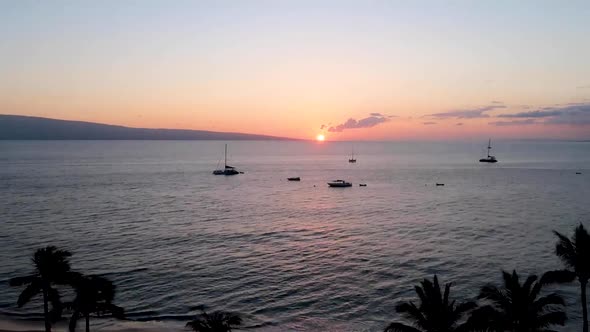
x=435, y=313
x=218, y=321
x=575, y=255
x=51, y=268
x=94, y=294
x=516, y=307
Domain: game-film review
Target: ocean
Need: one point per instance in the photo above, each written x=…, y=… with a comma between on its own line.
x=288, y=256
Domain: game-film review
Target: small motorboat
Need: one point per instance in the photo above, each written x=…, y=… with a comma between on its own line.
x=440, y=184
x=339, y=184
x=362, y=184
x=578, y=172
x=294, y=179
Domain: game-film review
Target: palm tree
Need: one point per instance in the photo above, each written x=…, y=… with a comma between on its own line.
x=435, y=313
x=517, y=307
x=94, y=294
x=575, y=255
x=51, y=268
x=218, y=321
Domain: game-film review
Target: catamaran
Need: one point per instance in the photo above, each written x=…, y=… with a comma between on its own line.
x=489, y=158
x=227, y=170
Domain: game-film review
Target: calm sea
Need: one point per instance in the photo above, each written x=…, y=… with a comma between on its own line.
x=288, y=256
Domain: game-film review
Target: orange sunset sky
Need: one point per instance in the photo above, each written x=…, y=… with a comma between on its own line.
x=352, y=70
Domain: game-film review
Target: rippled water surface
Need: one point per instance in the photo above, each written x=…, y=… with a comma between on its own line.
x=288, y=255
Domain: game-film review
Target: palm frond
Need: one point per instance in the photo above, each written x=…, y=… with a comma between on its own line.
x=551, y=318
x=565, y=249
x=494, y=294
x=21, y=281
x=31, y=290
x=399, y=327
x=465, y=307
x=558, y=276
x=548, y=300
x=410, y=311
x=482, y=319
x=526, y=287
x=218, y=321
x=446, y=294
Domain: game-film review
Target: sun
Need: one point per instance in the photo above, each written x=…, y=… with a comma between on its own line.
x=320, y=137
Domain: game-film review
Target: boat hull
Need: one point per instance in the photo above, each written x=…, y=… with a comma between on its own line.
x=339, y=184
x=488, y=161
x=226, y=172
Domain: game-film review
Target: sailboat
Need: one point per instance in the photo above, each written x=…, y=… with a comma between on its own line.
x=352, y=159
x=489, y=158
x=227, y=170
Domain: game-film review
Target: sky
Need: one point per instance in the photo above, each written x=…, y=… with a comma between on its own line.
x=351, y=70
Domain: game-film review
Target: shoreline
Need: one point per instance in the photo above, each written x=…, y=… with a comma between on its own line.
x=8, y=324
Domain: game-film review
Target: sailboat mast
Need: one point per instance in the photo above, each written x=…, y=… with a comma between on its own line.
x=489, y=147
x=225, y=156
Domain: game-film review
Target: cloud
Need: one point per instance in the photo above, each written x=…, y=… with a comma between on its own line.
x=496, y=102
x=323, y=126
x=459, y=124
x=428, y=123
x=572, y=114
x=373, y=120
x=513, y=123
x=583, y=87
x=532, y=114
x=468, y=113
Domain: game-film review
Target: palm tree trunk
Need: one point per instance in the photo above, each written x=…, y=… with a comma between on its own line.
x=87, y=323
x=46, y=312
x=584, y=305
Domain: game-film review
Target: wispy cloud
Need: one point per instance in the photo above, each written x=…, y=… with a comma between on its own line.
x=572, y=114
x=459, y=124
x=371, y=121
x=429, y=123
x=583, y=87
x=513, y=122
x=474, y=113
x=531, y=114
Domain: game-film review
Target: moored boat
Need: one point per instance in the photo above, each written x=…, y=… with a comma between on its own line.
x=489, y=158
x=352, y=159
x=227, y=169
x=339, y=184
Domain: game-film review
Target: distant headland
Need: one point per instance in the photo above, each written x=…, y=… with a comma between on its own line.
x=16, y=127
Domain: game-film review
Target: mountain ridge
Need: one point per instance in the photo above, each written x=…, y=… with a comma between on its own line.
x=20, y=127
